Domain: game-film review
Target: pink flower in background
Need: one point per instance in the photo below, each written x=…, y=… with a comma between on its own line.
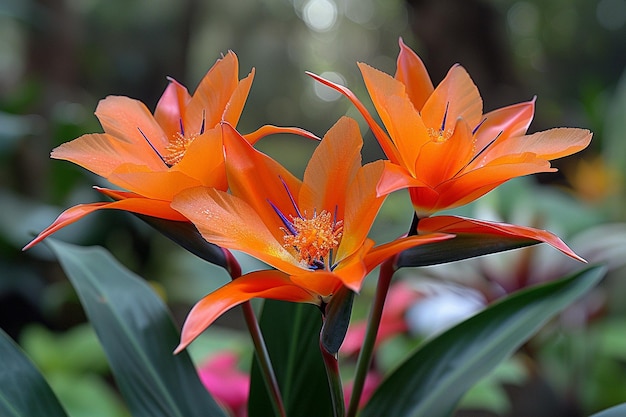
x=400, y=298
x=226, y=383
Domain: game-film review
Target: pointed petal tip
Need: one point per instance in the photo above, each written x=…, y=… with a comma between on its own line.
x=182, y=346
x=33, y=242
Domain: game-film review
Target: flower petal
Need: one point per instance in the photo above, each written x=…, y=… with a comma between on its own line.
x=204, y=160
x=150, y=184
x=227, y=221
x=395, y=177
x=211, y=98
x=155, y=208
x=398, y=114
x=439, y=161
x=130, y=120
x=260, y=284
x=456, y=96
x=474, y=183
x=380, y=253
x=462, y=225
x=259, y=180
x=101, y=154
x=234, y=108
x=361, y=207
x=413, y=74
x=171, y=106
x=267, y=130
x=322, y=283
x=383, y=139
x=504, y=122
x=333, y=165
x=549, y=144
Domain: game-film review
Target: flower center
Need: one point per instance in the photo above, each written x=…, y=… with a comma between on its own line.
x=314, y=238
x=442, y=134
x=178, y=145
x=439, y=136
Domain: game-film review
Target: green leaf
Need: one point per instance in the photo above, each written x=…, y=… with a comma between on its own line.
x=292, y=333
x=23, y=391
x=617, y=411
x=138, y=336
x=463, y=246
x=435, y=377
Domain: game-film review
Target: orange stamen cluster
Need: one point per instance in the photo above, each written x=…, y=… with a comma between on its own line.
x=315, y=237
x=177, y=147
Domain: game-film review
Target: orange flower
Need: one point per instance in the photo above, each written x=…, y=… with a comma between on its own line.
x=447, y=153
x=440, y=144
x=314, y=232
x=156, y=156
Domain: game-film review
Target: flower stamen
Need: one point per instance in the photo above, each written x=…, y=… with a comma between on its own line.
x=315, y=238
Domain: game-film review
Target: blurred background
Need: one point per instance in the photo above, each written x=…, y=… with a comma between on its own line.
x=58, y=58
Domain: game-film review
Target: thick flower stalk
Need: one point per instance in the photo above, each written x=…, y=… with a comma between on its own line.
x=314, y=231
x=448, y=153
x=155, y=156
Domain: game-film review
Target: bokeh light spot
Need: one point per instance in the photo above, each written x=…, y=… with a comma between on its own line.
x=320, y=15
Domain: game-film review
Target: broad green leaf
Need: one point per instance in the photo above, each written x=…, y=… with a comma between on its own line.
x=617, y=411
x=435, y=377
x=138, y=336
x=23, y=391
x=292, y=333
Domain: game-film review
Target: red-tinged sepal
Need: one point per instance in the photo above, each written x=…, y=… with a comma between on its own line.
x=475, y=238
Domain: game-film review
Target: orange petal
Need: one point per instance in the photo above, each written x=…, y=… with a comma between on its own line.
x=383, y=139
x=260, y=284
x=456, y=96
x=353, y=270
x=130, y=120
x=549, y=144
x=459, y=225
x=204, y=160
x=227, y=221
x=171, y=106
x=156, y=185
x=380, y=253
x=395, y=177
x=101, y=154
x=477, y=182
x=116, y=194
x=440, y=161
x=66, y=218
x=398, y=114
x=361, y=207
x=322, y=283
x=258, y=180
x=211, y=98
x=504, y=122
x=234, y=108
x=333, y=165
x=413, y=74
x=145, y=206
x=267, y=130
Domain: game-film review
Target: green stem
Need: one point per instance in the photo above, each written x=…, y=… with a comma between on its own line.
x=334, y=381
x=387, y=270
x=260, y=349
